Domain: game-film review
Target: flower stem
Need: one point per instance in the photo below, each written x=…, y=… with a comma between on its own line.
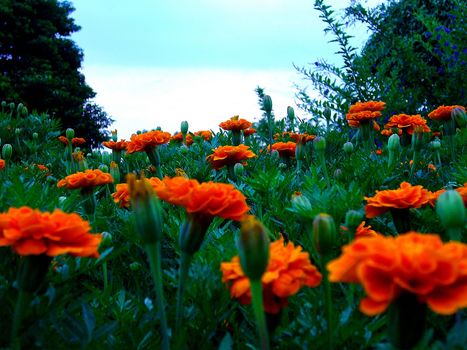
x=155, y=159
x=328, y=304
x=322, y=161
x=21, y=303
x=153, y=251
x=185, y=261
x=257, y=301
x=414, y=164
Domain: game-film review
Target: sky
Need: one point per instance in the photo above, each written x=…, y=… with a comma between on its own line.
x=159, y=62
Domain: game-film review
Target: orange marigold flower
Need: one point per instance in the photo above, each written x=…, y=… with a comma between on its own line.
x=389, y=132
x=462, y=191
x=75, y=141
x=208, y=198
x=229, y=155
x=443, y=112
x=249, y=131
x=2, y=164
x=288, y=270
x=364, y=231
x=407, y=123
x=416, y=263
x=235, y=124
x=354, y=119
x=31, y=232
x=41, y=167
x=379, y=152
x=373, y=106
x=122, y=195
x=205, y=134
x=146, y=141
x=405, y=197
x=431, y=167
x=178, y=137
x=285, y=149
x=87, y=179
x=116, y=146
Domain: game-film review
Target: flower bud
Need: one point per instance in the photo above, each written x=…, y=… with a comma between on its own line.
x=302, y=206
x=7, y=151
x=319, y=144
x=338, y=174
x=146, y=208
x=348, y=147
x=135, y=266
x=267, y=103
x=24, y=112
x=324, y=234
x=106, y=239
x=70, y=133
x=282, y=166
x=184, y=127
x=450, y=209
x=327, y=113
x=253, y=248
x=239, y=169
x=61, y=200
x=275, y=155
x=290, y=113
x=17, y=131
x=104, y=168
x=460, y=117
x=436, y=144
x=394, y=142
x=4, y=104
x=300, y=151
x=353, y=218
x=19, y=108
x=114, y=135
x=12, y=107
x=35, y=135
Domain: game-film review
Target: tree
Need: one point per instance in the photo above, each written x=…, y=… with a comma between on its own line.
x=40, y=64
x=414, y=60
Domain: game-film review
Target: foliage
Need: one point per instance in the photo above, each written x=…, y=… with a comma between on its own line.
x=41, y=65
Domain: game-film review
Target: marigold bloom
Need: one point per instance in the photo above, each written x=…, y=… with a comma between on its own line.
x=249, y=131
x=235, y=124
x=373, y=106
x=285, y=149
x=462, y=191
x=31, y=232
x=2, y=164
x=116, y=146
x=177, y=137
x=147, y=141
x=405, y=197
x=355, y=119
x=415, y=263
x=365, y=231
x=122, y=194
x=208, y=198
x=443, y=112
x=407, y=123
x=288, y=270
x=41, y=167
x=205, y=134
x=229, y=155
x=86, y=179
x=75, y=141
x=78, y=156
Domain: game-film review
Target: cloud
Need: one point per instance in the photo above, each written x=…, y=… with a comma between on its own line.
x=144, y=98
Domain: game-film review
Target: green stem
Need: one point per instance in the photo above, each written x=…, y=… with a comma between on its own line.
x=185, y=261
x=21, y=303
x=322, y=161
x=328, y=305
x=230, y=168
x=236, y=137
x=414, y=164
x=270, y=131
x=105, y=277
x=155, y=159
x=154, y=254
x=258, y=308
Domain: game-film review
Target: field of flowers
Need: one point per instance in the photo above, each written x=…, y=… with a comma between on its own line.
x=299, y=237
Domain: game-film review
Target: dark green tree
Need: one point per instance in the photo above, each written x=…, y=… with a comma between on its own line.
x=40, y=65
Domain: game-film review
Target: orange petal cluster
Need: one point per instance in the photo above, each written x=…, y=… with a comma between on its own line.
x=235, y=124
x=86, y=179
x=443, y=112
x=229, y=155
x=31, y=232
x=405, y=197
x=364, y=112
x=116, y=146
x=75, y=141
x=416, y=263
x=365, y=231
x=2, y=164
x=146, y=141
x=249, y=131
x=407, y=123
x=288, y=270
x=285, y=149
x=373, y=106
x=207, y=198
x=122, y=195
x=462, y=191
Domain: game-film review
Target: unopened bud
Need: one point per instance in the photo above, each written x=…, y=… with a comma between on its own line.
x=319, y=144
x=239, y=169
x=19, y=108
x=184, y=127
x=353, y=218
x=12, y=107
x=324, y=234
x=348, y=147
x=17, y=131
x=7, y=151
x=267, y=104
x=104, y=168
x=460, y=117
x=290, y=113
x=24, y=112
x=35, y=135
x=106, y=239
x=135, y=266
x=114, y=135
x=4, y=104
x=338, y=174
x=394, y=142
x=450, y=209
x=275, y=155
x=436, y=144
x=253, y=248
x=302, y=206
x=70, y=133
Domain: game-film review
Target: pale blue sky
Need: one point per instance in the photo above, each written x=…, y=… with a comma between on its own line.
x=162, y=61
